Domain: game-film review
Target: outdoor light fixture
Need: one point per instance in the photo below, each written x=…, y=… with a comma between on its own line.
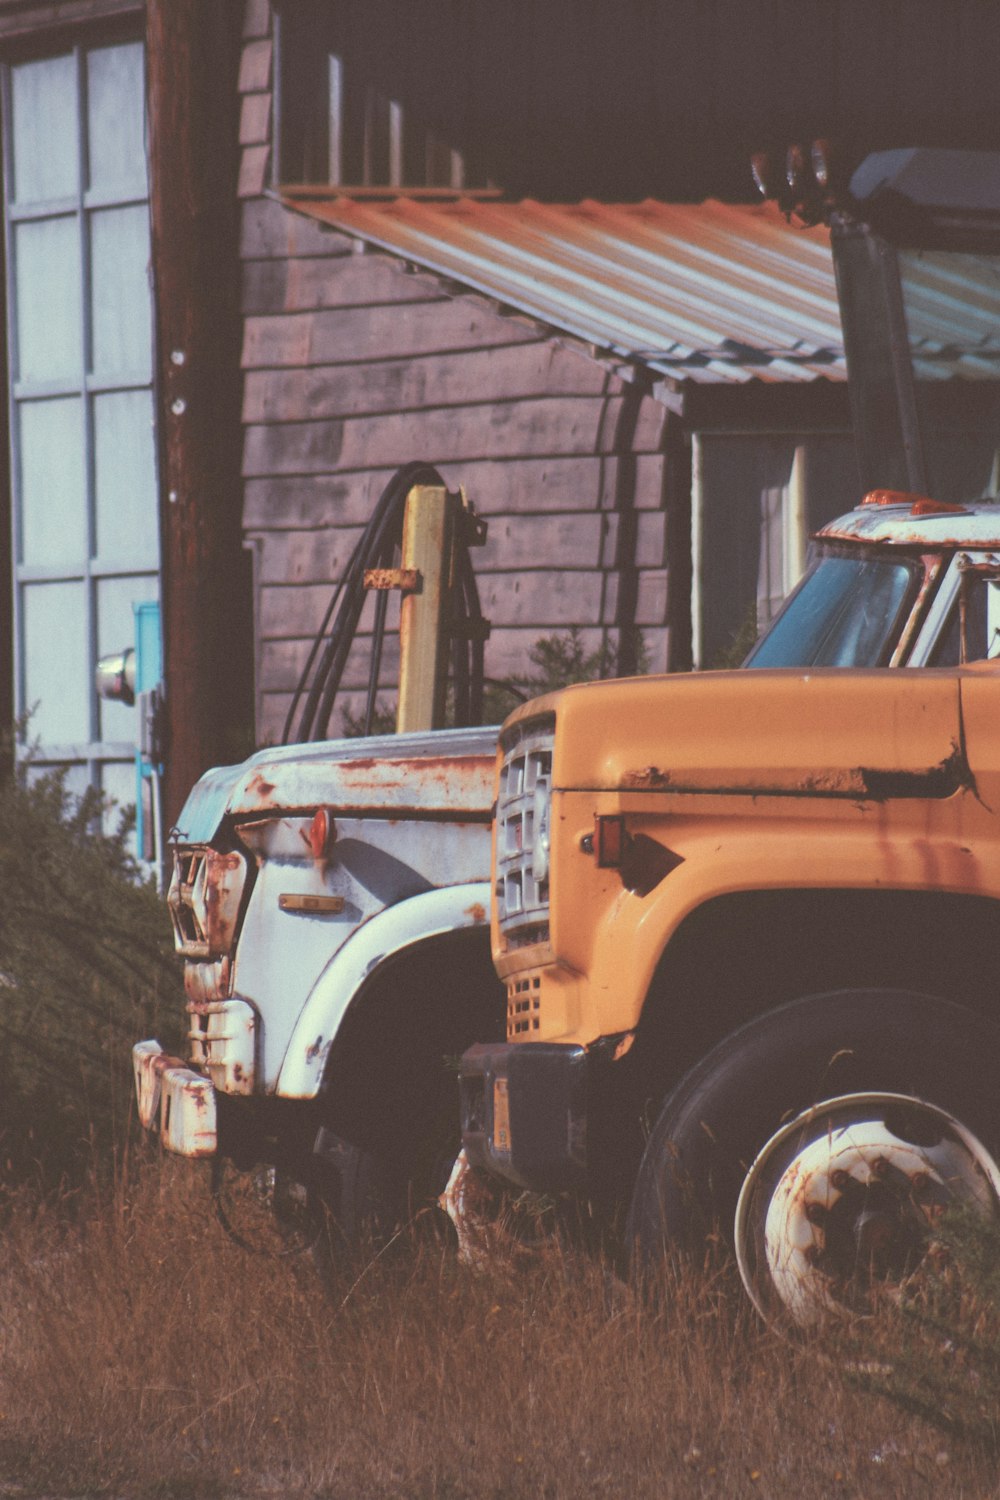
x=114, y=676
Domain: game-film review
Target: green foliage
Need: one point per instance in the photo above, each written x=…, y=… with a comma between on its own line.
x=557, y=661
x=383, y=721
x=86, y=969
x=554, y=661
x=743, y=638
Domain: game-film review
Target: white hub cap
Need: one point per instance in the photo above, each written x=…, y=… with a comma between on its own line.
x=843, y=1200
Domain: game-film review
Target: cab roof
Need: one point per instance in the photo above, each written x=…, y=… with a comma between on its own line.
x=910, y=522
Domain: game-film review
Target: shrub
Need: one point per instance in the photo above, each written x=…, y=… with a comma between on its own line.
x=86, y=968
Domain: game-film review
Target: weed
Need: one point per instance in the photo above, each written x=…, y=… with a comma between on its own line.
x=145, y=1354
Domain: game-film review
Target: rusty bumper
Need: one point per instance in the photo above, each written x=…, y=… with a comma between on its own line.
x=175, y=1101
x=524, y=1113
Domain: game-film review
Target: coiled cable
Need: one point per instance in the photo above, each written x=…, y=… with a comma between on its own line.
x=378, y=547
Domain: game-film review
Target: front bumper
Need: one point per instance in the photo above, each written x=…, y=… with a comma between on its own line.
x=524, y=1112
x=175, y=1101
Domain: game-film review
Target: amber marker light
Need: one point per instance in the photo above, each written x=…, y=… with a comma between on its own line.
x=610, y=841
x=322, y=832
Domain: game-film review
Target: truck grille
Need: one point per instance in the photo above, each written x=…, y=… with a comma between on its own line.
x=522, y=832
x=204, y=900
x=523, y=1005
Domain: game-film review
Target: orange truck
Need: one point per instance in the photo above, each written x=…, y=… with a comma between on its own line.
x=748, y=922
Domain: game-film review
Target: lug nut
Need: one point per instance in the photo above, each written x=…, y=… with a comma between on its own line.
x=816, y=1213
x=839, y=1179
x=920, y=1183
x=880, y=1166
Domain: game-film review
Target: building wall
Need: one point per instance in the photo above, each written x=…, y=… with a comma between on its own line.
x=354, y=365
x=567, y=99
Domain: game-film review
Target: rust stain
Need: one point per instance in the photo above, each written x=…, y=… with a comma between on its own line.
x=223, y=889
x=476, y=911
x=863, y=783
x=406, y=580
x=429, y=768
x=649, y=778
x=259, y=786
x=948, y=776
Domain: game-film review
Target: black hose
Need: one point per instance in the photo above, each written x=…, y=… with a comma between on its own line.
x=328, y=656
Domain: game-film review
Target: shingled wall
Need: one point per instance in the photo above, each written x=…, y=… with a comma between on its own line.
x=354, y=364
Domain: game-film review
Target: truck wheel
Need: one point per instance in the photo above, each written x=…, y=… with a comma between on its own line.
x=352, y=1198
x=823, y=1141
x=361, y=1199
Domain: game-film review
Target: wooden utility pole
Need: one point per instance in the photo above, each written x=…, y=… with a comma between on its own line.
x=192, y=51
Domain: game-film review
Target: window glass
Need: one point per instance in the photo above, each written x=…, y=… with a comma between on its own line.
x=760, y=498
x=116, y=136
x=73, y=774
x=952, y=302
x=57, y=665
x=124, y=476
x=982, y=619
x=846, y=613
x=48, y=303
x=118, y=783
x=122, y=332
x=337, y=122
x=46, y=130
x=53, y=483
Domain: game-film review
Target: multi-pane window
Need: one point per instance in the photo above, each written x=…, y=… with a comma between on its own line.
x=336, y=123
x=86, y=540
x=370, y=141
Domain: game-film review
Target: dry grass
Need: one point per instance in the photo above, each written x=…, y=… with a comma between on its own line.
x=146, y=1354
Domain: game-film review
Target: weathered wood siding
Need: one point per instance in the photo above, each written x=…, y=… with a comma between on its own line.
x=354, y=365
x=29, y=19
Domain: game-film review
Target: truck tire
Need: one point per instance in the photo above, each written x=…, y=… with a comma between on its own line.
x=821, y=1141
x=362, y=1199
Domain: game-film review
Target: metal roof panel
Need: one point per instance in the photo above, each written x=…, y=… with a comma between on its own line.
x=710, y=292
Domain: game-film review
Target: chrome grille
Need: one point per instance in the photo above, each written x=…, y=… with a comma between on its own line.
x=189, y=873
x=205, y=900
x=522, y=841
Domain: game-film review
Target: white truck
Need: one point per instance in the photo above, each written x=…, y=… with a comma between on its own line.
x=330, y=903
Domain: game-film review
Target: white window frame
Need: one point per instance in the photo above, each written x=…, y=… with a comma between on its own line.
x=93, y=753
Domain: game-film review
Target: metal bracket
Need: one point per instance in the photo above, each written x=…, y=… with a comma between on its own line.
x=988, y=568
x=472, y=529
x=407, y=580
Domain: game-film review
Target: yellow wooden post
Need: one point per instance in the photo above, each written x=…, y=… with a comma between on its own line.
x=428, y=544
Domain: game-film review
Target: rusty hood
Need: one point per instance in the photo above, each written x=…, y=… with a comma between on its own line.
x=445, y=773
x=858, y=734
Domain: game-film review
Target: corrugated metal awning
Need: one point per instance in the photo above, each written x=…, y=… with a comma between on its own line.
x=709, y=293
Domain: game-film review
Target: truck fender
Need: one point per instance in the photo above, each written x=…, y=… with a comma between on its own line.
x=431, y=914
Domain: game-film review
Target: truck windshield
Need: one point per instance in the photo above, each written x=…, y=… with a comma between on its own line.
x=847, y=612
